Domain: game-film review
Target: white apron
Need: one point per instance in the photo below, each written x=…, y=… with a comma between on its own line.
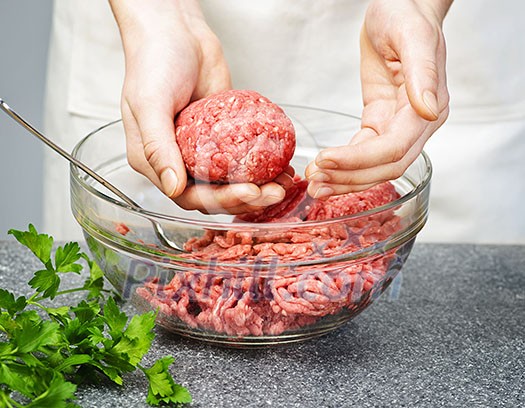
x=307, y=52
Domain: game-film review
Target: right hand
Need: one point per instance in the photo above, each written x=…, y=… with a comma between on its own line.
x=172, y=58
x=405, y=97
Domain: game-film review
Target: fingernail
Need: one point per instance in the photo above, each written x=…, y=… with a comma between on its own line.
x=169, y=182
x=271, y=199
x=319, y=176
x=327, y=164
x=245, y=191
x=286, y=182
x=431, y=101
x=323, y=192
x=251, y=193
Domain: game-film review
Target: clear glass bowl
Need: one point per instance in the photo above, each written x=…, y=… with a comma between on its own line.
x=325, y=273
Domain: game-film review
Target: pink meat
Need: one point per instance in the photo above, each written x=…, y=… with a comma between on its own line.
x=235, y=136
x=339, y=206
x=122, y=228
x=241, y=302
x=292, y=208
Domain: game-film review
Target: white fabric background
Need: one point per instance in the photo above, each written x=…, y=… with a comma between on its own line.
x=307, y=52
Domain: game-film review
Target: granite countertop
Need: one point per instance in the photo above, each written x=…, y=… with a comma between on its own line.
x=449, y=332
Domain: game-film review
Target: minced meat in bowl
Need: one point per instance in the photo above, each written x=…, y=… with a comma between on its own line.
x=299, y=270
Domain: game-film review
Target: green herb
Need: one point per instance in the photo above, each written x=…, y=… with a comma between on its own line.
x=43, y=359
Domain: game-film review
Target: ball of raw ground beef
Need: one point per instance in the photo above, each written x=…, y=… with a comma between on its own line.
x=235, y=136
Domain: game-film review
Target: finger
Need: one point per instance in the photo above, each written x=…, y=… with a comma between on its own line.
x=271, y=193
x=421, y=62
x=315, y=173
x=402, y=133
x=373, y=175
x=284, y=179
x=363, y=134
x=379, y=88
x=138, y=162
x=135, y=149
x=229, y=198
x=290, y=170
x=322, y=191
x=377, y=115
x=157, y=131
x=365, y=176
x=215, y=198
x=443, y=95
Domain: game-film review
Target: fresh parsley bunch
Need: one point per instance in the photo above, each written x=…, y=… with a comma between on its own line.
x=46, y=351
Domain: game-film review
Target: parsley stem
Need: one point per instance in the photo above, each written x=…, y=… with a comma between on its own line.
x=63, y=292
x=35, y=303
x=33, y=299
x=8, y=401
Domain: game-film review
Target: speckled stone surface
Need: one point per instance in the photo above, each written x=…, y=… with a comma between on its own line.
x=449, y=333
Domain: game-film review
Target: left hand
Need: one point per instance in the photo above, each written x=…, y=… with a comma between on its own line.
x=405, y=97
x=172, y=58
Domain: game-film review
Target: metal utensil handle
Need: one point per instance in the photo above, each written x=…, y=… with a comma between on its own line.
x=66, y=155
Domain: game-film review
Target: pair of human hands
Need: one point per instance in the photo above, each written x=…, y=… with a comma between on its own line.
x=173, y=58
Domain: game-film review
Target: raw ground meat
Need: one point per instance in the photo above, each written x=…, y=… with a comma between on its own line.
x=292, y=207
x=267, y=298
x=235, y=136
x=122, y=228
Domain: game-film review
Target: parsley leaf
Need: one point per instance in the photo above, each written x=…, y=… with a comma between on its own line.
x=10, y=304
x=59, y=391
x=95, y=283
x=136, y=339
x=115, y=319
x=45, y=354
x=66, y=258
x=32, y=335
x=162, y=388
x=46, y=281
x=39, y=244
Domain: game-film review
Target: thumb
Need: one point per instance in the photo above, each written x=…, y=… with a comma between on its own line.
x=157, y=130
x=419, y=59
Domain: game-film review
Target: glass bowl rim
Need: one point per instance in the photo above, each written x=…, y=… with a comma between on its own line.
x=75, y=172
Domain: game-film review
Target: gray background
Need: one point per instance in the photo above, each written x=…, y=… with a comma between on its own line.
x=23, y=55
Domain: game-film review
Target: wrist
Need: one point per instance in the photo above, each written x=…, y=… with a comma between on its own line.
x=437, y=8
x=155, y=21
x=150, y=15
